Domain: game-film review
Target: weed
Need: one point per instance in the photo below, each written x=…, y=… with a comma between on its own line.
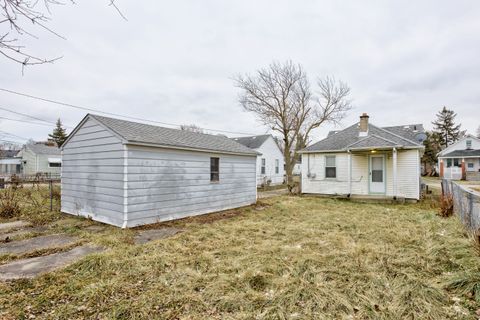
x=446, y=205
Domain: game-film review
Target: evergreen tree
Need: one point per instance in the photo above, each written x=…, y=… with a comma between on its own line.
x=446, y=128
x=433, y=146
x=59, y=135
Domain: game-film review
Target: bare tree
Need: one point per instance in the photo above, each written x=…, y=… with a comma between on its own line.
x=281, y=98
x=192, y=128
x=17, y=16
x=478, y=132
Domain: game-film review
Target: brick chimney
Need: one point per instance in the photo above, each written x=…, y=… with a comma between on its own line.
x=363, y=125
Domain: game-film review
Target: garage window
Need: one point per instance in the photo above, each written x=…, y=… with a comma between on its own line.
x=214, y=169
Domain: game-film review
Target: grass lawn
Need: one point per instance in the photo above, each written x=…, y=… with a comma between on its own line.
x=287, y=258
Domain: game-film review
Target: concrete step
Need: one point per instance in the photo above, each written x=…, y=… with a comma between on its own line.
x=32, y=267
x=8, y=226
x=36, y=243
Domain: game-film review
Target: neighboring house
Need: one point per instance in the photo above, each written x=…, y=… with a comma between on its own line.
x=461, y=160
x=365, y=160
x=40, y=158
x=10, y=163
x=270, y=163
x=128, y=174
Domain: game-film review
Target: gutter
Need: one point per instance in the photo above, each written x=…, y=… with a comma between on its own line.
x=143, y=144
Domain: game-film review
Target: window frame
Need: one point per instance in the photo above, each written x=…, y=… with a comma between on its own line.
x=327, y=167
x=277, y=166
x=468, y=144
x=263, y=165
x=214, y=169
x=56, y=164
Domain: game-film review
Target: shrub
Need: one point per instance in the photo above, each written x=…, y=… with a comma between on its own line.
x=446, y=205
x=9, y=203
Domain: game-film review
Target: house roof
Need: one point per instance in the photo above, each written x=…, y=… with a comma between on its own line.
x=140, y=133
x=40, y=148
x=349, y=139
x=253, y=142
x=462, y=153
x=8, y=153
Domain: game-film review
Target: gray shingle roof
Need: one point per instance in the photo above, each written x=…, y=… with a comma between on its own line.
x=377, y=138
x=409, y=131
x=40, y=148
x=462, y=153
x=8, y=153
x=253, y=142
x=134, y=132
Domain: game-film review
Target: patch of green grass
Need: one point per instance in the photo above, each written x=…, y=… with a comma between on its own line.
x=290, y=258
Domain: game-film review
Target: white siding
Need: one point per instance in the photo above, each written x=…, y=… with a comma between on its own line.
x=408, y=174
x=270, y=152
x=461, y=145
x=317, y=183
x=92, y=174
x=168, y=184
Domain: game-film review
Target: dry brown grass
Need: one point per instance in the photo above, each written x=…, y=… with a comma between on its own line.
x=296, y=258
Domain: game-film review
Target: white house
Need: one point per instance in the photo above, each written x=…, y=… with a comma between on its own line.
x=127, y=174
x=461, y=160
x=365, y=160
x=270, y=163
x=37, y=158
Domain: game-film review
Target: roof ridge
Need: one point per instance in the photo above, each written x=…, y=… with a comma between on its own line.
x=371, y=136
x=394, y=134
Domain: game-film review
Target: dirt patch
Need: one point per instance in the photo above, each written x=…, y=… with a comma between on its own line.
x=155, y=234
x=200, y=219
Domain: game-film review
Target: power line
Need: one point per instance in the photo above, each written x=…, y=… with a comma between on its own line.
x=108, y=113
x=26, y=121
x=13, y=135
x=29, y=116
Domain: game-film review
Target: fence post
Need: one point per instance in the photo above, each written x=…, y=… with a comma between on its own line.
x=50, y=183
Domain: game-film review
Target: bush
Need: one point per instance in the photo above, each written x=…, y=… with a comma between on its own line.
x=9, y=203
x=446, y=205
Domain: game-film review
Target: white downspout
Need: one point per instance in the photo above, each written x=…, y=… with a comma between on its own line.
x=395, y=187
x=349, y=173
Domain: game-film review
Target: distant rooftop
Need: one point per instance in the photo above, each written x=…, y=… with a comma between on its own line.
x=253, y=142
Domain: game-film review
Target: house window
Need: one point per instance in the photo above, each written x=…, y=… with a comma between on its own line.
x=330, y=168
x=54, y=164
x=449, y=163
x=469, y=144
x=470, y=166
x=214, y=169
x=457, y=163
x=277, y=166
x=262, y=169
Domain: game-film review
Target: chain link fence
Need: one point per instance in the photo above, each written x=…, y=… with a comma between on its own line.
x=466, y=203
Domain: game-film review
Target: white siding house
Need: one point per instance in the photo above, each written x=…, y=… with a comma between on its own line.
x=270, y=162
x=365, y=160
x=461, y=160
x=128, y=174
x=40, y=158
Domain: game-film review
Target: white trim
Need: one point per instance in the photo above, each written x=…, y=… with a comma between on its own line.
x=125, y=186
x=394, y=165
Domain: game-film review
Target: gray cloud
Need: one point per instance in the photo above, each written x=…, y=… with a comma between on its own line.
x=173, y=61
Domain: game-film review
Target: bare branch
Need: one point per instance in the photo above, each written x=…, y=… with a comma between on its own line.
x=281, y=98
x=18, y=16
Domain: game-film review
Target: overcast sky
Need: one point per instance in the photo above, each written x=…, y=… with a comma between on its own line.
x=173, y=61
